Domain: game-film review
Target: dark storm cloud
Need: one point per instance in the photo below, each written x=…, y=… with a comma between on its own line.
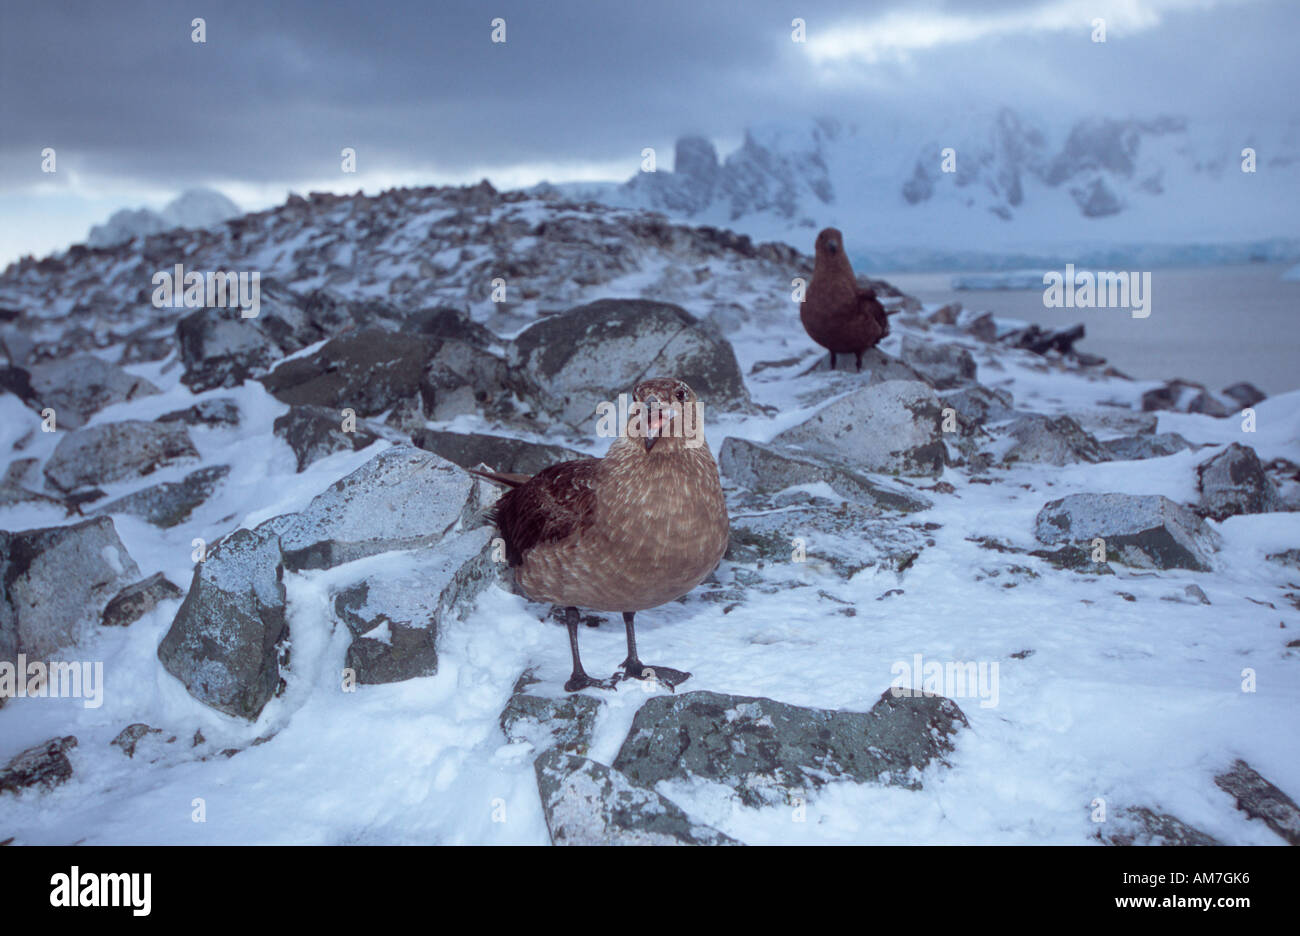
x=280, y=88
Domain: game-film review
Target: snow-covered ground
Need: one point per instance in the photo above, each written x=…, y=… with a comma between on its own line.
x=1135, y=701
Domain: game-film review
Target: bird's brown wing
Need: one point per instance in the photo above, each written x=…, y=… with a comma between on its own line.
x=868, y=303
x=550, y=506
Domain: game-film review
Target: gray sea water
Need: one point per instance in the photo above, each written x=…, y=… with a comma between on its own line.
x=1215, y=325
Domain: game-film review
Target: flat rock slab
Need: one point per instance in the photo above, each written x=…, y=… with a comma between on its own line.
x=767, y=751
x=845, y=540
x=55, y=583
x=1259, y=799
x=1136, y=447
x=768, y=469
x=403, y=498
x=1146, y=531
x=76, y=388
x=588, y=803
x=169, y=504
x=116, y=451
x=500, y=453
x=943, y=366
x=893, y=427
x=45, y=765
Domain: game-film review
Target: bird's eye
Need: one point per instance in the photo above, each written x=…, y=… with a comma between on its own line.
x=680, y=395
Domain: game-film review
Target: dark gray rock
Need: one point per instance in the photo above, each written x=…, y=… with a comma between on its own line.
x=592, y=353
x=1233, y=482
x=943, y=366
x=566, y=723
x=45, y=765
x=1137, y=825
x=76, y=388
x=218, y=348
x=1044, y=440
x=764, y=749
x=979, y=405
x=135, y=601
x=1259, y=799
x=877, y=366
x=1245, y=394
x=55, y=582
x=403, y=498
x=313, y=432
x=226, y=642
x=767, y=469
x=132, y=735
x=1133, y=448
x=169, y=504
x=396, y=615
x=1147, y=531
x=1183, y=396
x=461, y=377
x=145, y=345
x=587, y=803
x=116, y=451
x=369, y=370
x=501, y=453
x=219, y=412
x=841, y=540
x=893, y=427
x=1112, y=420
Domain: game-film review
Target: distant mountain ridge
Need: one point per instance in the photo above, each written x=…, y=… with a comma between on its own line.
x=989, y=184
x=195, y=208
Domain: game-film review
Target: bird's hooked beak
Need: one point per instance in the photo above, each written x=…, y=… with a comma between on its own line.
x=656, y=420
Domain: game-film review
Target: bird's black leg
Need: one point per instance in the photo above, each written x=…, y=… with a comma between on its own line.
x=579, y=679
x=633, y=668
x=859, y=355
x=832, y=360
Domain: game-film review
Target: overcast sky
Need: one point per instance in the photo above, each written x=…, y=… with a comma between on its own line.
x=137, y=112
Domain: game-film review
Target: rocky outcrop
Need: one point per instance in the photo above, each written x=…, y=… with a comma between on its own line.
x=943, y=366
x=1138, y=825
x=1133, y=448
x=768, y=751
x=565, y=723
x=1147, y=531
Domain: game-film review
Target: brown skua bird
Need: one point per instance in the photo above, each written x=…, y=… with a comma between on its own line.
x=630, y=531
x=837, y=313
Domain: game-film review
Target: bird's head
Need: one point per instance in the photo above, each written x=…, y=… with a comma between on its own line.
x=830, y=242
x=665, y=415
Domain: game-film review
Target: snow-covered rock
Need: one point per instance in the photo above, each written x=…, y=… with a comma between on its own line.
x=893, y=427
x=1233, y=482
x=81, y=386
x=1051, y=441
x=110, y=452
x=769, y=752
x=1147, y=531
x=55, y=583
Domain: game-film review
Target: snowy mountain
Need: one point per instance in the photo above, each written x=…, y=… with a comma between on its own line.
x=1000, y=189
x=300, y=630
x=196, y=208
